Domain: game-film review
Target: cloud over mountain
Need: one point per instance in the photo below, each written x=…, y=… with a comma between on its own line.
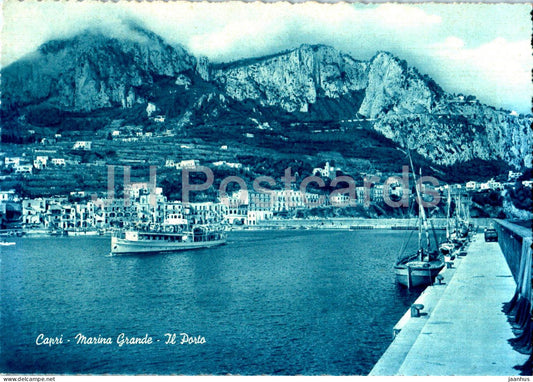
x=493, y=63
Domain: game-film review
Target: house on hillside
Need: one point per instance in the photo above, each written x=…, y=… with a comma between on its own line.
x=190, y=163
x=58, y=161
x=472, y=186
x=82, y=145
x=12, y=161
x=23, y=168
x=328, y=171
x=40, y=162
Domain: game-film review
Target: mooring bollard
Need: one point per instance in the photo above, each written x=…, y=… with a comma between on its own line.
x=415, y=310
x=440, y=278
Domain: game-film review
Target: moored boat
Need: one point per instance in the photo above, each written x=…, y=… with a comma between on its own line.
x=418, y=271
x=420, y=268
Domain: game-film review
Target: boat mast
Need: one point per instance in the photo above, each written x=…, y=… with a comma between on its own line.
x=448, y=215
x=457, y=209
x=421, y=212
x=426, y=228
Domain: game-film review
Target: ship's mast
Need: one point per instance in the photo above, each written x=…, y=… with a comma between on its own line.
x=422, y=222
x=426, y=228
x=448, y=215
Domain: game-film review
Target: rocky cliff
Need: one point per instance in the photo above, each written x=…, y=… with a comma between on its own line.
x=293, y=80
x=316, y=83
x=92, y=71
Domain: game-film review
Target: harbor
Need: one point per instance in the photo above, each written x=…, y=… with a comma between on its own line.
x=267, y=303
x=457, y=326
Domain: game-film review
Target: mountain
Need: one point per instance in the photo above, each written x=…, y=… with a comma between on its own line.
x=312, y=85
x=297, y=79
x=91, y=71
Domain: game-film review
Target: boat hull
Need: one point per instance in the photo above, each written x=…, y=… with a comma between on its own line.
x=414, y=275
x=124, y=247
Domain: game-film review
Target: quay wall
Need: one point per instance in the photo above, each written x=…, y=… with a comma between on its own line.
x=357, y=223
x=516, y=245
x=513, y=240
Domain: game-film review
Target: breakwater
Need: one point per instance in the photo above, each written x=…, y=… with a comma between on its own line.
x=461, y=329
x=356, y=223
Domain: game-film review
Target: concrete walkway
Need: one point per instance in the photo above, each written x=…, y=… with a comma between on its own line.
x=464, y=332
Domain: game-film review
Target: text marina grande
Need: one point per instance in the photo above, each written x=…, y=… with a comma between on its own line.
x=121, y=340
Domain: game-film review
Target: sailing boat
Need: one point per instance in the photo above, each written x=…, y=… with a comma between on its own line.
x=460, y=234
x=420, y=268
x=447, y=247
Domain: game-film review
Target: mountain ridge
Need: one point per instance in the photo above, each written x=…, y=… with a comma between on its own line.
x=310, y=83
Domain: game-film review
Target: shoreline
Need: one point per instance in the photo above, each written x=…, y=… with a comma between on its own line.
x=351, y=224
x=325, y=224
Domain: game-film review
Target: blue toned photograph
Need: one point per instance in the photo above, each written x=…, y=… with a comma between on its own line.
x=265, y=189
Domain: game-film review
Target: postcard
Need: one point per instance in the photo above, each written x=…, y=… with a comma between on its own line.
x=195, y=188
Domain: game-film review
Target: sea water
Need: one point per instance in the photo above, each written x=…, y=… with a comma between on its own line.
x=276, y=302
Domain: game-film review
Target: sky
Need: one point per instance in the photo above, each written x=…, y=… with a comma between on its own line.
x=478, y=49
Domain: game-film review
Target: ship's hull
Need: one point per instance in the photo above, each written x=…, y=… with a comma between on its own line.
x=124, y=246
x=418, y=273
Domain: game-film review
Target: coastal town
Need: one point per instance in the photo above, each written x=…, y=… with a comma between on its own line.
x=143, y=203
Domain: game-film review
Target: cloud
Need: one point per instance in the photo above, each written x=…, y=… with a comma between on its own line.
x=497, y=72
x=450, y=44
x=402, y=16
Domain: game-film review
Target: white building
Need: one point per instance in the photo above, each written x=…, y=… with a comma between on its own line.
x=227, y=164
x=33, y=211
x=12, y=161
x=170, y=163
x=58, y=161
x=40, y=162
x=327, y=172
x=189, y=164
x=174, y=212
x=255, y=216
x=491, y=185
x=8, y=195
x=82, y=145
x=472, y=186
x=341, y=200
x=23, y=168
x=236, y=214
x=285, y=200
x=513, y=176
x=376, y=192
x=136, y=189
x=205, y=213
x=150, y=109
